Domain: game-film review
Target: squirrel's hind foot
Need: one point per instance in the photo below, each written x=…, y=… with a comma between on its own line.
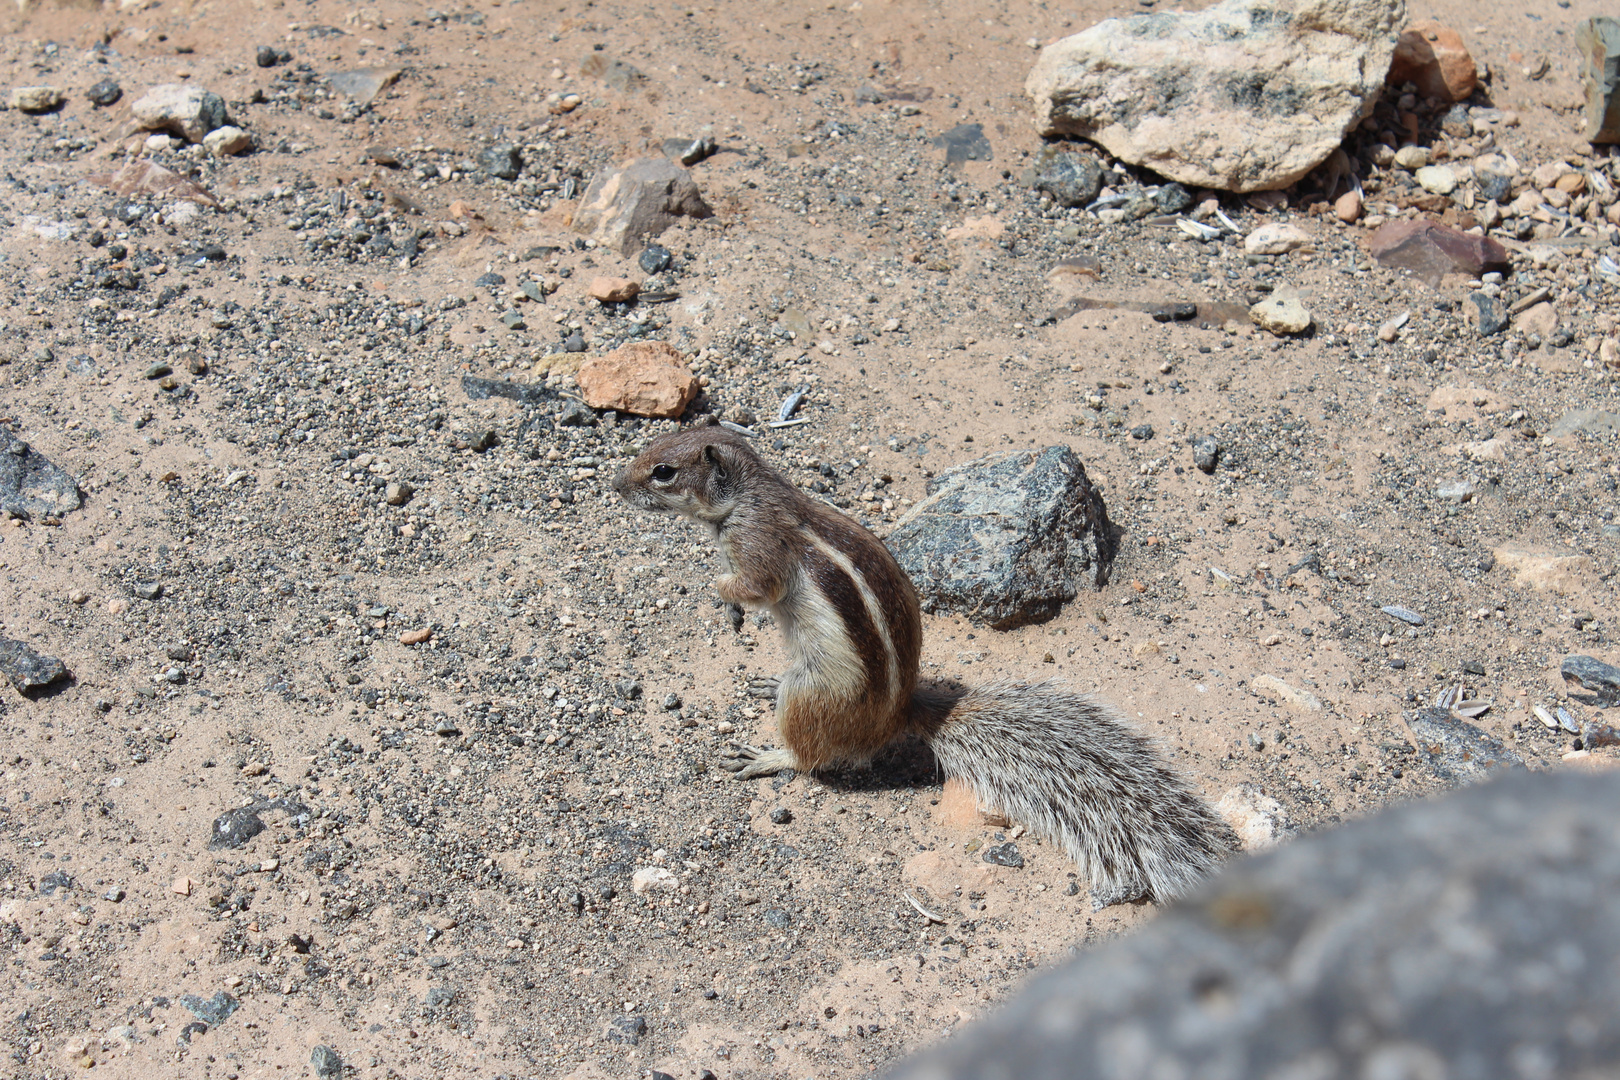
x=1129, y=891
x=760, y=687
x=748, y=762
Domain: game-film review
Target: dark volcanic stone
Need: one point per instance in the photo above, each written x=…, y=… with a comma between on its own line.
x=31, y=486
x=627, y=1029
x=104, y=93
x=326, y=1063
x=1003, y=855
x=1594, y=675
x=1487, y=315
x=1457, y=751
x=654, y=259
x=1206, y=452
x=27, y=669
x=1072, y=179
x=1007, y=539
x=502, y=161
x=1172, y=198
x=234, y=828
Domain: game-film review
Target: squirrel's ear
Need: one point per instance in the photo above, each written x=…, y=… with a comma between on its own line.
x=710, y=420
x=725, y=458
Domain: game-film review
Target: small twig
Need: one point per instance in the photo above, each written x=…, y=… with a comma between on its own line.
x=788, y=423
x=924, y=912
x=738, y=428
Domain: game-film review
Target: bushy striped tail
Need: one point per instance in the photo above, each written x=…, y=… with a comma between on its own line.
x=1074, y=771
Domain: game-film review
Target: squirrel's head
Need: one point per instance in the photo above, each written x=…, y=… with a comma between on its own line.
x=696, y=473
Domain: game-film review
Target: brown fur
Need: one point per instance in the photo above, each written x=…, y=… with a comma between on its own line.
x=1067, y=765
x=773, y=540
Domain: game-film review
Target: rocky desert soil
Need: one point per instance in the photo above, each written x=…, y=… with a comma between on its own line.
x=317, y=586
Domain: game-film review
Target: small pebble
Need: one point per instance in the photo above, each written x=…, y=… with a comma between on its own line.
x=1406, y=615
x=1206, y=451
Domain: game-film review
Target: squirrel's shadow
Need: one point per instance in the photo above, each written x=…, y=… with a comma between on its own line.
x=907, y=762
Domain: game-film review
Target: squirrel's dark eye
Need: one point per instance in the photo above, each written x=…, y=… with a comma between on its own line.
x=663, y=473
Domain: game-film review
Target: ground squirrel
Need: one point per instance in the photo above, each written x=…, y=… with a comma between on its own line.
x=1064, y=764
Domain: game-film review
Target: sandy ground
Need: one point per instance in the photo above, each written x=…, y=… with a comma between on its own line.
x=443, y=886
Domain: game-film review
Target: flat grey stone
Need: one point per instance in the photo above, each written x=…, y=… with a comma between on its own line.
x=1452, y=938
x=31, y=486
x=1594, y=675
x=964, y=143
x=27, y=669
x=1589, y=420
x=1457, y=751
x=211, y=1011
x=478, y=389
x=1007, y=539
x=362, y=85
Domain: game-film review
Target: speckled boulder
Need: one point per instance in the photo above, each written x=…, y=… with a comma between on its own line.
x=1007, y=539
x=1243, y=96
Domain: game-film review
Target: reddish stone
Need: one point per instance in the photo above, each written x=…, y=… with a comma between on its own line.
x=614, y=290
x=1431, y=250
x=646, y=378
x=1432, y=57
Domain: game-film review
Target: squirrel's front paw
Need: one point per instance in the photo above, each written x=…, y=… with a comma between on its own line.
x=747, y=762
x=734, y=612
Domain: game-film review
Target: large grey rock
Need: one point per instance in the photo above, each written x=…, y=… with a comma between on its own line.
x=187, y=110
x=1007, y=539
x=30, y=485
x=1243, y=96
x=623, y=208
x=1473, y=937
x=1597, y=41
